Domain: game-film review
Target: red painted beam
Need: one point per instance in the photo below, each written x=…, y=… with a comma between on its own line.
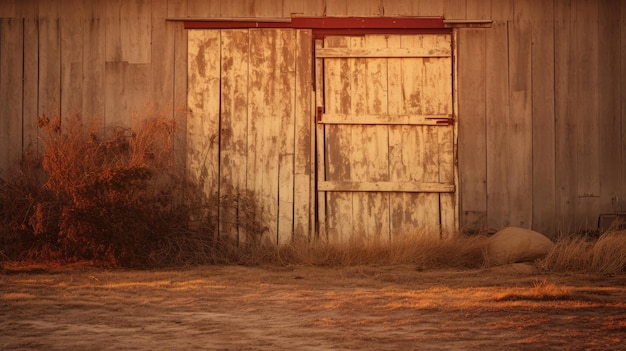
x=367, y=22
x=335, y=25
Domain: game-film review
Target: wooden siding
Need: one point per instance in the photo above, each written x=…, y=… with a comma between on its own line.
x=540, y=94
x=249, y=127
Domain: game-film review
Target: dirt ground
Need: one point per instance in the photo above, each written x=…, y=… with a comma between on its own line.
x=311, y=308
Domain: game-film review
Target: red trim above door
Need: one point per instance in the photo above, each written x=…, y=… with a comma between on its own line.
x=323, y=26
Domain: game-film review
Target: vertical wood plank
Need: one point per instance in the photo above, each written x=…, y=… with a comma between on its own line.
x=400, y=7
x=285, y=99
x=136, y=30
x=364, y=7
x=49, y=59
x=543, y=117
x=202, y=8
x=113, y=50
x=177, y=8
x=137, y=93
x=338, y=140
x=304, y=8
x=7, y=9
x=472, y=129
x=320, y=146
x=180, y=93
x=115, y=103
x=622, y=202
x=497, y=112
x=430, y=8
x=586, y=115
x=233, y=125
x=71, y=34
x=370, y=159
x=502, y=10
x=610, y=136
x=519, y=129
x=336, y=8
x=268, y=8
x=271, y=94
x=565, y=105
x=204, y=108
x=438, y=72
x=94, y=48
x=11, y=48
x=237, y=8
x=455, y=9
x=29, y=10
x=479, y=9
x=162, y=72
x=303, y=143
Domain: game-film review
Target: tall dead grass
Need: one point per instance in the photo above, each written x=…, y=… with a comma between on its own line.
x=424, y=251
x=605, y=255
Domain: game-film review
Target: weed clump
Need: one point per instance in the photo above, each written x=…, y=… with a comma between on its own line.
x=605, y=255
x=111, y=197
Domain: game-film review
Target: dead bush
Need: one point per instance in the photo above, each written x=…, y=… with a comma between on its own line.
x=113, y=197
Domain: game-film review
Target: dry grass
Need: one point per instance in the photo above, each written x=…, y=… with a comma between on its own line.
x=422, y=250
x=542, y=290
x=605, y=255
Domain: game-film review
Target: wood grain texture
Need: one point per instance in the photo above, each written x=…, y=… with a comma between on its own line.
x=93, y=58
x=304, y=136
x=199, y=8
x=162, y=75
x=313, y=8
x=7, y=9
x=497, y=114
x=71, y=34
x=202, y=122
x=181, y=109
x=11, y=47
x=472, y=129
x=622, y=77
x=271, y=97
x=366, y=182
x=49, y=91
x=420, y=51
x=543, y=117
x=136, y=30
x=609, y=133
x=29, y=10
x=586, y=115
x=519, y=129
x=565, y=106
x=320, y=146
x=478, y=9
x=455, y=9
x=400, y=7
x=233, y=114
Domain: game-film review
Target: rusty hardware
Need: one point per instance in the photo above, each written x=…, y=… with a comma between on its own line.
x=320, y=112
x=443, y=121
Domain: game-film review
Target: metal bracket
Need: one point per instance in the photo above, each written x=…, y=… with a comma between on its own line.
x=320, y=112
x=443, y=121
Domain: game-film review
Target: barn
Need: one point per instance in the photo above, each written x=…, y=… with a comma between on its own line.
x=348, y=119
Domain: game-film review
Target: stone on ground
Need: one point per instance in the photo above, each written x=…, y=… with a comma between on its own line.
x=513, y=245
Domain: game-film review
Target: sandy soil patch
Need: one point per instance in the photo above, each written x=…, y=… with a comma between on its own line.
x=311, y=308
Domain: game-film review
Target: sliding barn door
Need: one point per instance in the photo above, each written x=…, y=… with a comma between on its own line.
x=249, y=129
x=385, y=136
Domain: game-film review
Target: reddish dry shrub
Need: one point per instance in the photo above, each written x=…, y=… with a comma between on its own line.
x=112, y=198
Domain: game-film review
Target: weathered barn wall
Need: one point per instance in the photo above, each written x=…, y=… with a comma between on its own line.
x=541, y=117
